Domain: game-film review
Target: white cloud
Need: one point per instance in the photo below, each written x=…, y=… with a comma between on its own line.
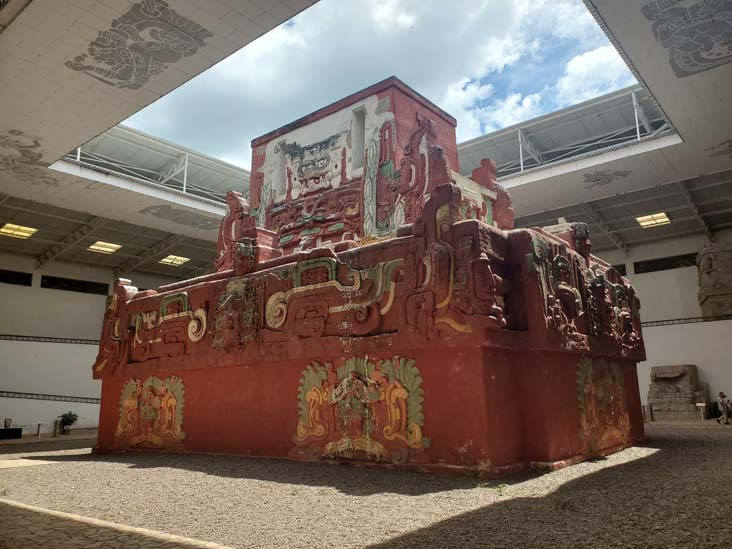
x=591, y=74
x=461, y=98
x=389, y=16
x=451, y=53
x=563, y=19
x=511, y=110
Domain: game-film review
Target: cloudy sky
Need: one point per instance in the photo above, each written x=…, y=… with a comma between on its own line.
x=490, y=63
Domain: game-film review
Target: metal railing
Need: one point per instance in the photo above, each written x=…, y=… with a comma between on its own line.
x=174, y=176
x=690, y=320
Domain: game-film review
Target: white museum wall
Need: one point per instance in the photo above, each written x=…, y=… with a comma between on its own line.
x=28, y=413
x=52, y=368
x=49, y=368
x=706, y=344
x=664, y=295
x=672, y=294
x=42, y=312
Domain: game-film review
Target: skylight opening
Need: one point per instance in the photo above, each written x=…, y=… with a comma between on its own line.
x=17, y=231
x=174, y=260
x=653, y=220
x=104, y=247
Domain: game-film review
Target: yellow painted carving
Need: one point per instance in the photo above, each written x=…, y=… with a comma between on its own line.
x=276, y=309
x=361, y=443
x=275, y=312
x=395, y=397
x=316, y=398
x=151, y=413
x=197, y=325
x=427, y=260
x=455, y=325
x=445, y=302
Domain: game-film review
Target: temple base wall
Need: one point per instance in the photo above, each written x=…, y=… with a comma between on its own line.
x=474, y=410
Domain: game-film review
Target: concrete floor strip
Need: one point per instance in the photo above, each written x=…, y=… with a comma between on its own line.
x=21, y=462
x=96, y=523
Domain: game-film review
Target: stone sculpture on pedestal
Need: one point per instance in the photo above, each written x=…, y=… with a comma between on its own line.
x=675, y=391
x=715, y=279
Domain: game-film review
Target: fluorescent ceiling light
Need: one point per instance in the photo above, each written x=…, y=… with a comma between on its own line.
x=104, y=247
x=174, y=260
x=653, y=220
x=17, y=231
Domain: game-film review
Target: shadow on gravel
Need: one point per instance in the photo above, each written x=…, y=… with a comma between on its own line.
x=350, y=479
x=357, y=480
x=49, y=446
x=679, y=496
x=26, y=529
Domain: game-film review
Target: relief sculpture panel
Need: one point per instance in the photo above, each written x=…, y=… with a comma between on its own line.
x=604, y=418
x=361, y=410
x=151, y=413
x=139, y=45
x=370, y=303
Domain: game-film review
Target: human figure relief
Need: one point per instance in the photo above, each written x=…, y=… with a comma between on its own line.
x=151, y=413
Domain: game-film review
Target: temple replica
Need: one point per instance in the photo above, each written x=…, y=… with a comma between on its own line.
x=372, y=304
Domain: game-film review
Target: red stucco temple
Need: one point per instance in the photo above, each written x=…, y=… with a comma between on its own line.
x=372, y=304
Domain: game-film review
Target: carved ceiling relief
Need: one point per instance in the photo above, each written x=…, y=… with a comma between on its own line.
x=601, y=178
x=181, y=217
x=695, y=34
x=139, y=45
x=22, y=155
x=723, y=149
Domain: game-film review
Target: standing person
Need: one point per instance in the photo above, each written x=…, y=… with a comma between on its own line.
x=725, y=407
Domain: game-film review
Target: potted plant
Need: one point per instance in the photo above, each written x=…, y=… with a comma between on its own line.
x=67, y=420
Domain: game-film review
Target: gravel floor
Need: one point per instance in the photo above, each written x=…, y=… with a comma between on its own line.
x=676, y=491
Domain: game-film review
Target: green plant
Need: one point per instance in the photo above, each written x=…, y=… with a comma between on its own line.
x=499, y=488
x=3, y=492
x=67, y=419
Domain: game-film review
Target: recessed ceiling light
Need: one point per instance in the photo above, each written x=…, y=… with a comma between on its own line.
x=174, y=260
x=653, y=220
x=104, y=247
x=17, y=231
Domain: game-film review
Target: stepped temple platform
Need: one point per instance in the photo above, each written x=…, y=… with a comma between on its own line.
x=372, y=304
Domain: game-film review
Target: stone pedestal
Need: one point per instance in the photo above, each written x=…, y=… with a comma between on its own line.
x=715, y=279
x=675, y=391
